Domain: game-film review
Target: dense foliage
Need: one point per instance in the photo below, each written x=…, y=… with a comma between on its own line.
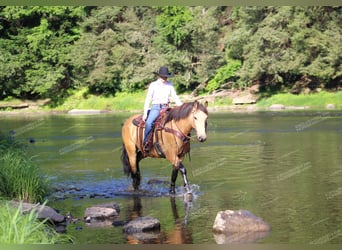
x=48, y=51
x=291, y=47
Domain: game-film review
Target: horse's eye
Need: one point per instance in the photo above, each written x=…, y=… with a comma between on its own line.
x=195, y=117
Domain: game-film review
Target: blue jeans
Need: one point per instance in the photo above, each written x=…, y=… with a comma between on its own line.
x=152, y=116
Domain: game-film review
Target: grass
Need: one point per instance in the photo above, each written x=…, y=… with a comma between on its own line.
x=19, y=228
x=223, y=101
x=20, y=177
x=135, y=101
x=318, y=100
x=121, y=101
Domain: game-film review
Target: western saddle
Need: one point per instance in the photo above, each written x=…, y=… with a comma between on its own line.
x=159, y=125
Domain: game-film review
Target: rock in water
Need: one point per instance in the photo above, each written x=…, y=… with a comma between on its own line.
x=102, y=211
x=238, y=221
x=239, y=226
x=142, y=224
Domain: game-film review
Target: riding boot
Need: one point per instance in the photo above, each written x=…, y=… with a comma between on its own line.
x=147, y=147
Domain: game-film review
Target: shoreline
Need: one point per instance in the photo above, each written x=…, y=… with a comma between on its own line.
x=247, y=101
x=222, y=101
x=224, y=108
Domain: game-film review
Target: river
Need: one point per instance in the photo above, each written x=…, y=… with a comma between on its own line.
x=285, y=167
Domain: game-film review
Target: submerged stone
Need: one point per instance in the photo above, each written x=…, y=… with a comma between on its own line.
x=142, y=224
x=242, y=237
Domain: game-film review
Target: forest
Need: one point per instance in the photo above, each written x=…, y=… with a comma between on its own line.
x=50, y=51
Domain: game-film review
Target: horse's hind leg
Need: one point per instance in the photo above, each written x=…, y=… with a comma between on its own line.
x=134, y=159
x=136, y=180
x=136, y=177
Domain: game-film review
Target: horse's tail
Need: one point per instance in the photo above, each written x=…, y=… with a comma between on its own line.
x=125, y=161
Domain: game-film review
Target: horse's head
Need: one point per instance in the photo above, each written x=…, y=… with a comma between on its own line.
x=199, y=121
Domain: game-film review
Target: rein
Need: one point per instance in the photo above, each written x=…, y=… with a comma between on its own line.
x=184, y=138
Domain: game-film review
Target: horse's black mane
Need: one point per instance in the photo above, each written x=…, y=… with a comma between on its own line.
x=183, y=111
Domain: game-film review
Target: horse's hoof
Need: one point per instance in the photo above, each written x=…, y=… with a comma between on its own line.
x=187, y=197
x=133, y=189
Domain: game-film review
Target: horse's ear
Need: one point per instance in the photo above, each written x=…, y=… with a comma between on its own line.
x=205, y=104
x=194, y=108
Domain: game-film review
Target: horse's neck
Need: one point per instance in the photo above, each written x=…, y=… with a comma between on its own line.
x=183, y=125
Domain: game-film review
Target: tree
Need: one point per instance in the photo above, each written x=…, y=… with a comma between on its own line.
x=286, y=47
x=36, y=40
x=190, y=42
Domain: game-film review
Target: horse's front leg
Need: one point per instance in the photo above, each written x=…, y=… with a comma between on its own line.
x=185, y=178
x=173, y=181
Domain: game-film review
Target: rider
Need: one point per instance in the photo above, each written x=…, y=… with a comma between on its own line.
x=159, y=93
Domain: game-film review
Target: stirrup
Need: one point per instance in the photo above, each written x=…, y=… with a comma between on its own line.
x=146, y=148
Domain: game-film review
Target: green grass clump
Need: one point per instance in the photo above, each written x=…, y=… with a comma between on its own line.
x=20, y=177
x=19, y=228
x=223, y=101
x=317, y=100
x=119, y=102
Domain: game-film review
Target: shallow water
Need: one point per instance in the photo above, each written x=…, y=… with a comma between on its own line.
x=285, y=167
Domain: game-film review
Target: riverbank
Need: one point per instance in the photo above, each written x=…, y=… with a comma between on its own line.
x=231, y=101
x=23, y=182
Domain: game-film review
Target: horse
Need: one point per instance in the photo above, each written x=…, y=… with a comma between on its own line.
x=171, y=142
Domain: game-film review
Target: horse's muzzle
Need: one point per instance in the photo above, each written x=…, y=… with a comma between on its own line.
x=201, y=138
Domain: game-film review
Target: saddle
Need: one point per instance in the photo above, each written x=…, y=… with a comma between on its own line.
x=157, y=126
x=158, y=123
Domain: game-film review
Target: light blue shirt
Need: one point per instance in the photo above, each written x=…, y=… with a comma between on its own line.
x=160, y=93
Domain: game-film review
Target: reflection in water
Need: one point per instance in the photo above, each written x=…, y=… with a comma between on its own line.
x=242, y=237
x=179, y=235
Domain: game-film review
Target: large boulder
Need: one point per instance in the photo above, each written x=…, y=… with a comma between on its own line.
x=239, y=226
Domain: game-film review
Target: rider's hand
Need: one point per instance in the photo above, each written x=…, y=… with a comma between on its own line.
x=144, y=117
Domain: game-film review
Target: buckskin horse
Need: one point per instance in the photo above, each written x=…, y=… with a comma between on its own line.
x=170, y=140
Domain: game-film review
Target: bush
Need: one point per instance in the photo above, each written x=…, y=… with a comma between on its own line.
x=20, y=178
x=19, y=228
x=224, y=74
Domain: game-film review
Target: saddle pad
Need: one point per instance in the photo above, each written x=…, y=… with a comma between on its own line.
x=139, y=122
